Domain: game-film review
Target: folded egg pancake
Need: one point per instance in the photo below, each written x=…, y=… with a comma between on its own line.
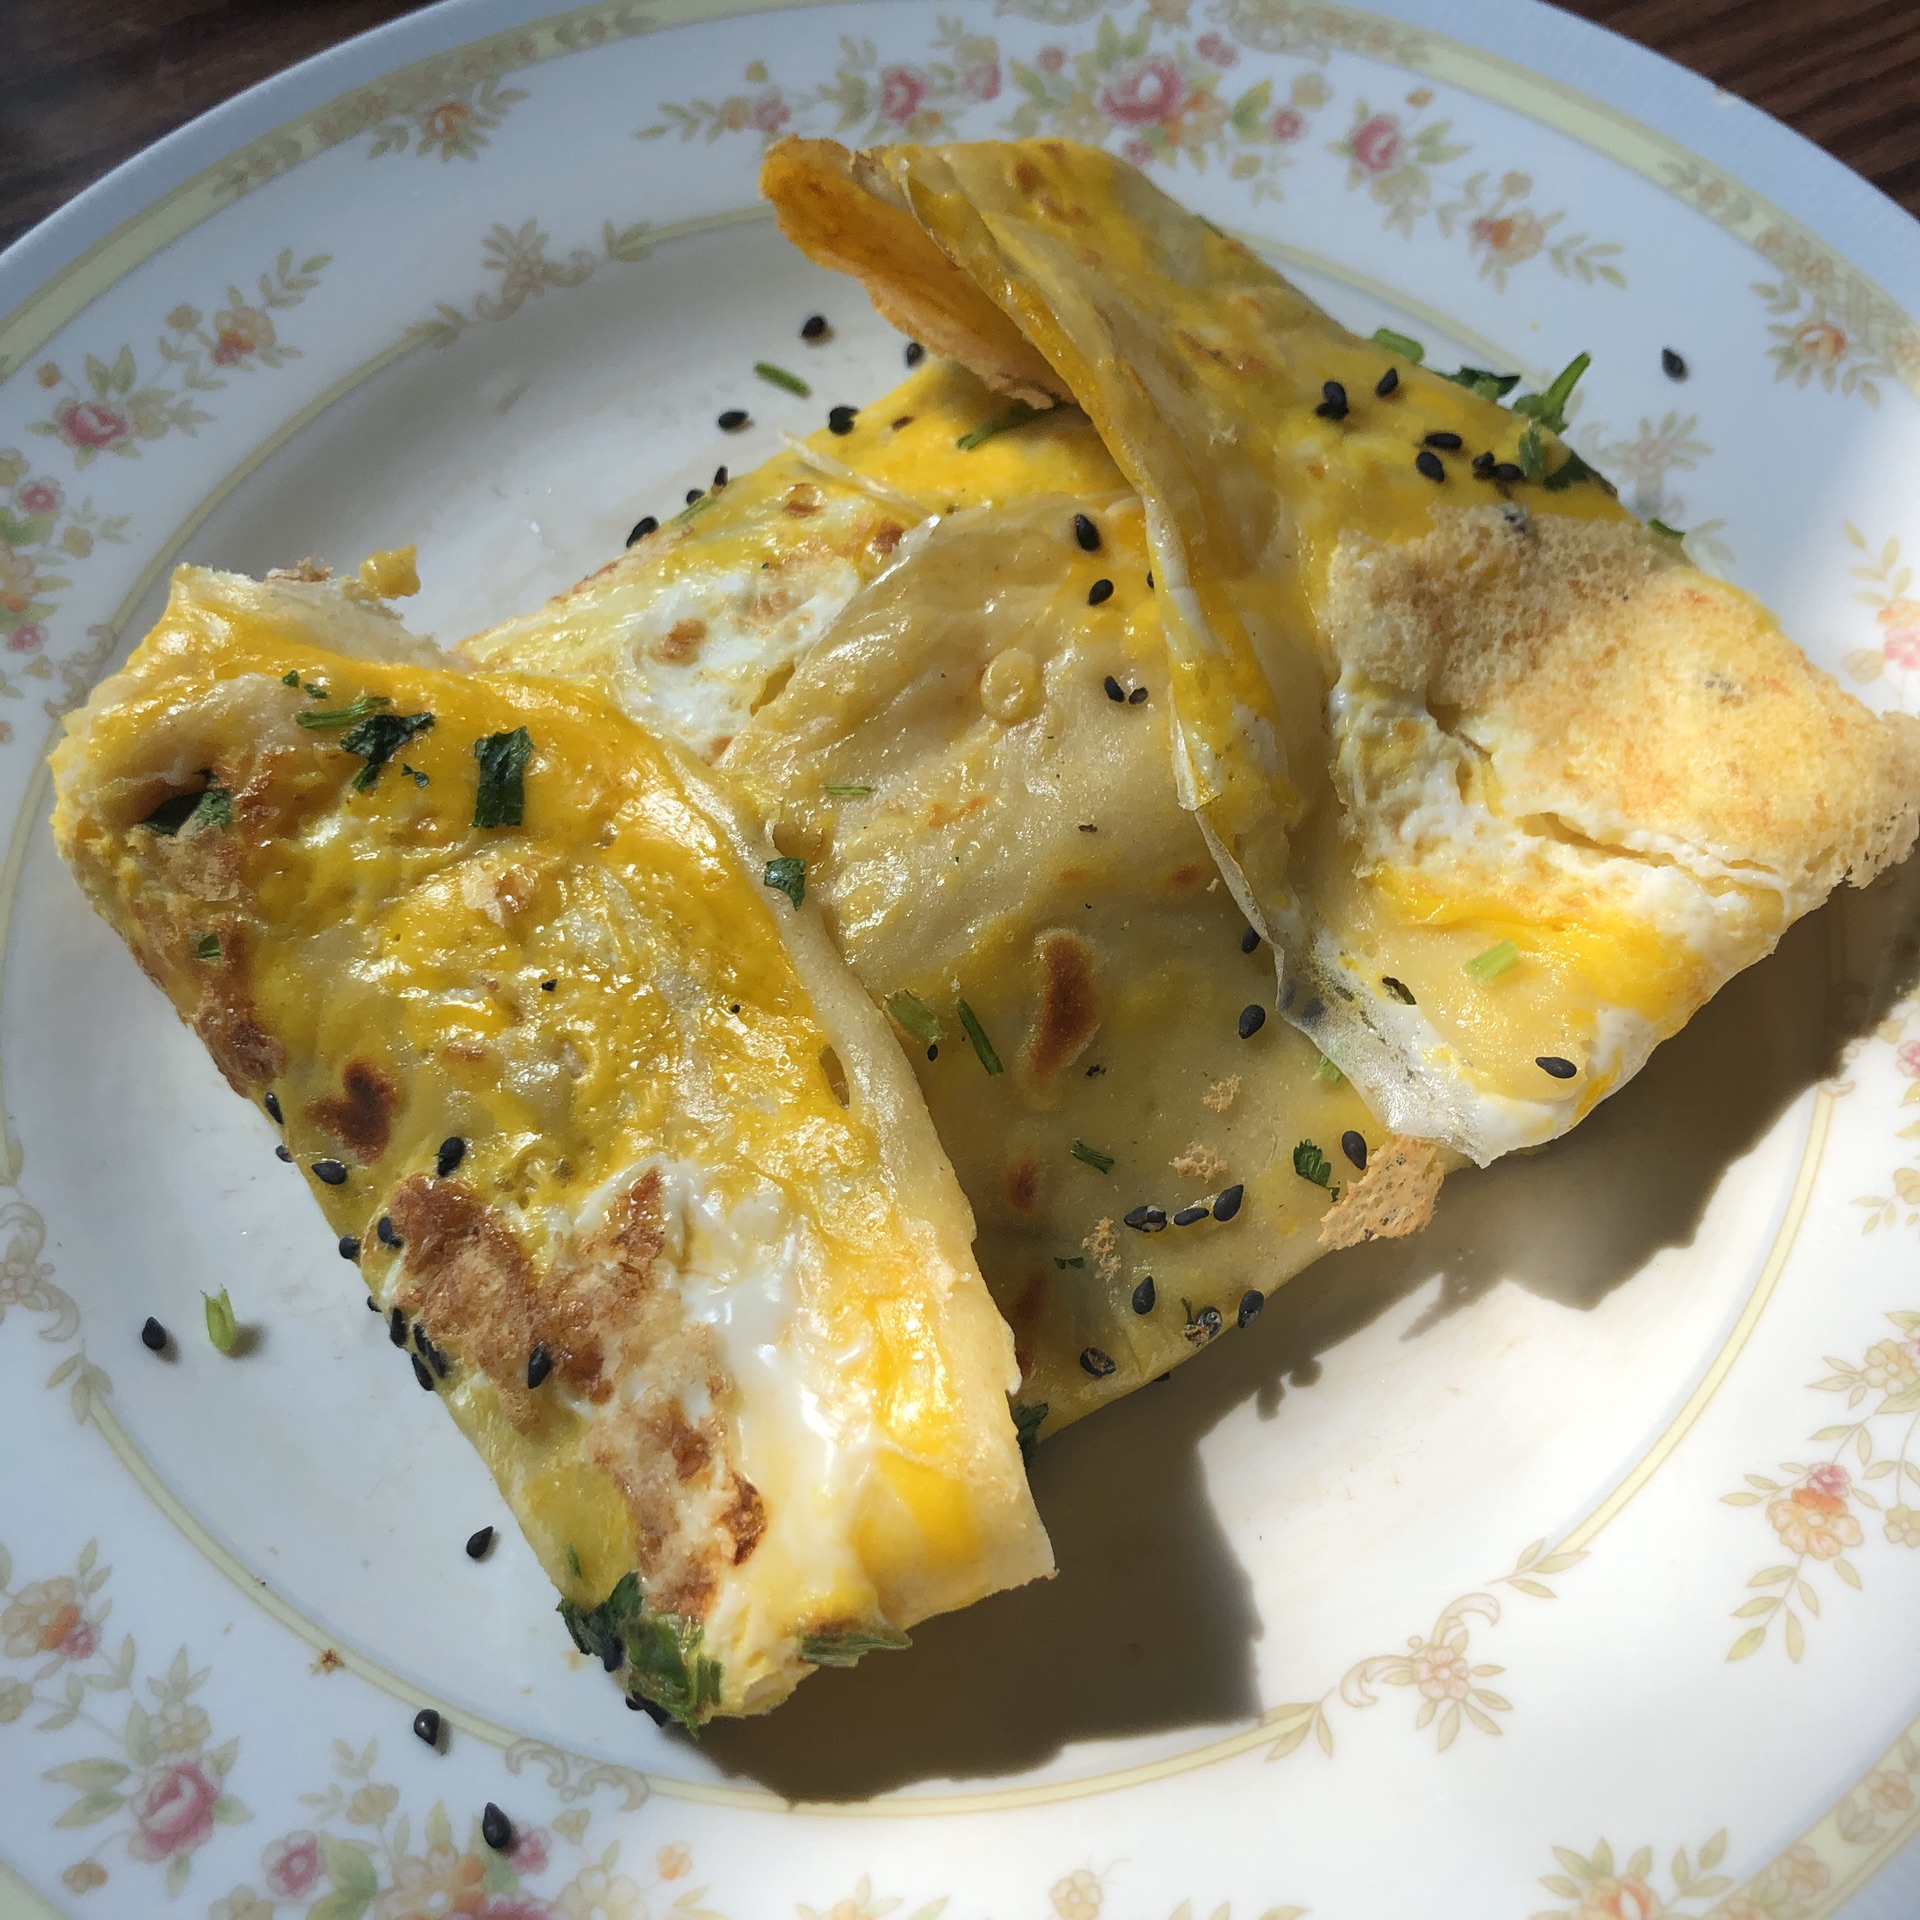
x=630, y=1162
x=961, y=727
x=1512, y=788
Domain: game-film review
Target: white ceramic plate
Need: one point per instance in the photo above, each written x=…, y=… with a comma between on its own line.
x=1565, y=1560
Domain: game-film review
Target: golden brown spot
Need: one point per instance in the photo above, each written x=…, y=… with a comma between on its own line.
x=1023, y=1184
x=226, y=1019
x=886, y=536
x=745, y=1519
x=1069, y=1004
x=360, y=1115
x=679, y=644
x=1188, y=876
x=1026, y=176
x=1021, y=1317
x=690, y=1448
x=801, y=501
x=945, y=813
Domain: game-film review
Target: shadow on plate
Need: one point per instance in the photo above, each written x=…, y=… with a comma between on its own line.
x=1150, y=1624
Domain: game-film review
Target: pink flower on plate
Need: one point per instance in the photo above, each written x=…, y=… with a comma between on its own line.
x=517, y=1906
x=1831, y=1479
x=88, y=423
x=982, y=82
x=1137, y=153
x=1288, y=124
x=532, y=1846
x=39, y=496
x=292, y=1864
x=1052, y=59
x=1909, y=1059
x=769, y=113
x=1901, y=618
x=83, y=1636
x=1821, y=342
x=1144, y=94
x=1376, y=144
x=29, y=637
x=901, y=91
x=1221, y=52
x=173, y=1813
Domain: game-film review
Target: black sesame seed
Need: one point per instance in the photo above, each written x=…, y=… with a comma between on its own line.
x=420, y=1372
x=1252, y=1019
x=349, y=1246
x=1331, y=409
x=933, y=1052
x=915, y=353
x=730, y=422
x=478, y=1543
x=153, y=1336
x=1250, y=1304
x=1483, y=464
x=639, y=1701
x=840, y=419
x=547, y=986
x=421, y=1344
x=1387, y=382
x=1189, y=1216
x=1228, y=1204
x=695, y=493
x=281, y=1152
x=539, y=1365
x=1249, y=941
x=612, y=1655
x=452, y=1151
x=1508, y=474
x=426, y=1726
x=1093, y=1361
x=1334, y=394
x=815, y=327
x=1115, y=691
x=1399, y=989
x=384, y=1233
x=436, y=1360
x=1148, y=1219
x=641, y=528
x=272, y=1104
x=1446, y=442
x=719, y=478
x=1149, y=583
x=397, y=1327
x=1430, y=464
x=1207, y=1321
x=1086, y=533
x=1672, y=365
x=331, y=1171
x=1354, y=1146
x=1553, y=1064
x=1143, y=1296
x=373, y=1305
x=1137, y=697
x=495, y=1828
x=1099, y=593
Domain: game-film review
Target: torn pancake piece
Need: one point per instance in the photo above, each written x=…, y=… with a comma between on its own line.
x=620, y=1147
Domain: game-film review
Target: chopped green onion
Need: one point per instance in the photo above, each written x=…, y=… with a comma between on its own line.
x=1570, y=470
x=1100, y=1162
x=1531, y=462
x=982, y=1046
x=1500, y=958
x=573, y=1561
x=344, y=716
x=1666, y=532
x=290, y=679
x=1488, y=385
x=788, y=876
x=1311, y=1164
x=1550, y=408
x=378, y=738
x=844, y=1649
x=1027, y=1422
x=1327, y=1073
x=222, y=1329
x=846, y=792
x=207, y=947
x=215, y=810
x=915, y=1018
x=502, y=797
x=1016, y=415
x=1078, y=1260
x=780, y=377
x=1399, y=343
x=705, y=501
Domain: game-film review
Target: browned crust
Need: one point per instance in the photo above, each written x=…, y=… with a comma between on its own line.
x=1023, y=1184
x=1395, y=1196
x=360, y=1115
x=1069, y=1004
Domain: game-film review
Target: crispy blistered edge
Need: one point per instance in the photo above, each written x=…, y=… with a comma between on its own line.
x=1396, y=1195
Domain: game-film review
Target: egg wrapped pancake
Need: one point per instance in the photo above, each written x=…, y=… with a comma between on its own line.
x=1512, y=787
x=963, y=731
x=618, y=1144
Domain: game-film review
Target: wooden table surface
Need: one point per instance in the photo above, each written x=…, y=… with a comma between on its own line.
x=86, y=83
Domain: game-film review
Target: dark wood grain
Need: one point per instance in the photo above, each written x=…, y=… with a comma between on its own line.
x=86, y=83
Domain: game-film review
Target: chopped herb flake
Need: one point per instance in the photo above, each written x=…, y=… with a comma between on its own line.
x=1550, y=408
x=215, y=810
x=1532, y=463
x=1489, y=386
x=1016, y=415
x=1399, y=343
x=982, y=1046
x=1327, y=1073
x=1666, y=532
x=848, y=1647
x=192, y=812
x=378, y=738
x=789, y=876
x=1570, y=471
x=573, y=1561
x=290, y=679
x=1027, y=1422
x=222, y=1329
x=846, y=790
x=328, y=717
x=915, y=1018
x=780, y=377
x=1100, y=1162
x=1502, y=957
x=207, y=947
x=1078, y=1260
x=502, y=798
x=1311, y=1164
